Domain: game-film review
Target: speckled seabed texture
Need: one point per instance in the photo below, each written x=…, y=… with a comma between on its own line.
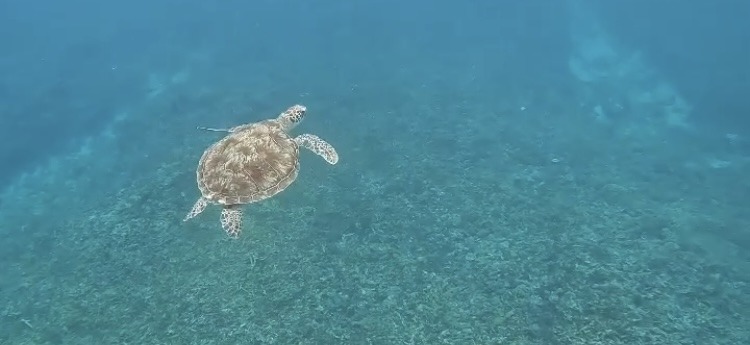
x=450, y=219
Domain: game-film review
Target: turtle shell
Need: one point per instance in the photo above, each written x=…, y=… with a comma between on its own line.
x=249, y=165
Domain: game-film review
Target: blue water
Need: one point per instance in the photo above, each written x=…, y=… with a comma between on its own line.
x=510, y=173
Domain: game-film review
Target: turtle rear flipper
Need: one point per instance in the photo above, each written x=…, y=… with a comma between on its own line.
x=211, y=129
x=226, y=130
x=199, y=206
x=231, y=220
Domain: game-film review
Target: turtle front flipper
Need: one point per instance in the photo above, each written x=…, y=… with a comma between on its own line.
x=318, y=146
x=231, y=220
x=199, y=206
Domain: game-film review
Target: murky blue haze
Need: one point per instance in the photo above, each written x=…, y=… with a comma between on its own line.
x=537, y=172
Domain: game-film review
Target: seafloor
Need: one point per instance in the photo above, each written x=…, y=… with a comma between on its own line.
x=455, y=216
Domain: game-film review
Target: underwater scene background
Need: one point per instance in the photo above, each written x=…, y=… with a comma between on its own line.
x=535, y=172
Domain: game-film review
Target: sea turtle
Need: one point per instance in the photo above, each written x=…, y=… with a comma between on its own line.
x=255, y=161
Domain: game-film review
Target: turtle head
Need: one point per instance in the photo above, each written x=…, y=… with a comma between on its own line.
x=292, y=116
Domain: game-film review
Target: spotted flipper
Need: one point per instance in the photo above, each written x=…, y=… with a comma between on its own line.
x=318, y=146
x=231, y=220
x=199, y=206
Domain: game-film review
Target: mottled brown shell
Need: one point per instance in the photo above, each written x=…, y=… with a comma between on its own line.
x=249, y=165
